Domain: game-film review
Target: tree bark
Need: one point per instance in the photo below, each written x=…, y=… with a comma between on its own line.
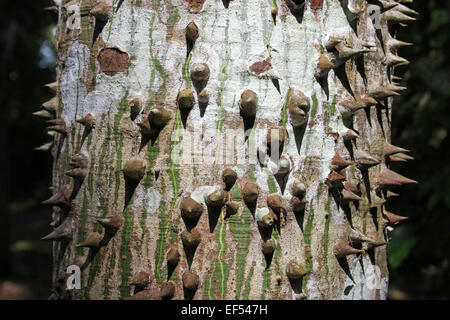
x=224, y=149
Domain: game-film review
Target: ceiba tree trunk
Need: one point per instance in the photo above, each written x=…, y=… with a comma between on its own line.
x=224, y=149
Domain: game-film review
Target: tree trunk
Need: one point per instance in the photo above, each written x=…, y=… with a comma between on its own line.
x=224, y=149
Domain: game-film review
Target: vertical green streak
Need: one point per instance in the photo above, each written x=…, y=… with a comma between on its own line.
x=274, y=4
x=271, y=183
x=91, y=179
x=171, y=22
x=105, y=149
x=95, y=264
x=222, y=250
x=186, y=76
x=266, y=284
x=251, y=173
x=92, y=271
x=219, y=264
x=152, y=154
x=87, y=31
x=315, y=106
x=173, y=156
x=81, y=230
x=125, y=254
x=325, y=236
x=112, y=264
x=111, y=20
x=165, y=220
x=118, y=137
x=248, y=281
x=284, y=117
x=240, y=229
x=307, y=240
x=276, y=236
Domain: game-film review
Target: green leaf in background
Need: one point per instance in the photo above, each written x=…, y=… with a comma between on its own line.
x=400, y=247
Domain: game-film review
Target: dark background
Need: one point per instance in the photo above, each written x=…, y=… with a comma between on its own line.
x=420, y=248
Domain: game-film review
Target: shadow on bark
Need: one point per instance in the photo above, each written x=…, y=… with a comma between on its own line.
x=343, y=78
x=189, y=294
x=380, y=120
x=213, y=217
x=60, y=146
x=300, y=218
x=276, y=83
x=373, y=213
x=184, y=115
x=190, y=223
x=86, y=133
x=323, y=82
x=190, y=254
x=99, y=26
x=282, y=181
x=344, y=265
x=360, y=68
x=349, y=146
x=297, y=8
x=337, y=197
x=266, y=233
x=268, y=258
x=249, y=122
x=170, y=269
x=226, y=3
x=251, y=206
x=296, y=285
x=130, y=188
x=368, y=117
x=299, y=133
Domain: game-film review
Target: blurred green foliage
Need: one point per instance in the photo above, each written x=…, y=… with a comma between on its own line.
x=25, y=30
x=420, y=249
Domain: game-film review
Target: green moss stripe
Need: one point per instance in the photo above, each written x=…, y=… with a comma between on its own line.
x=222, y=249
x=315, y=106
x=83, y=220
x=94, y=266
x=325, y=238
x=284, y=115
x=87, y=30
x=186, y=75
x=164, y=223
x=165, y=220
x=248, y=282
x=307, y=240
x=112, y=265
x=118, y=137
x=266, y=284
x=125, y=253
x=220, y=268
x=111, y=19
x=276, y=257
x=156, y=65
x=240, y=230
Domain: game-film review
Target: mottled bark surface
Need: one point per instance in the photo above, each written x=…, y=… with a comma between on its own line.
x=319, y=71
